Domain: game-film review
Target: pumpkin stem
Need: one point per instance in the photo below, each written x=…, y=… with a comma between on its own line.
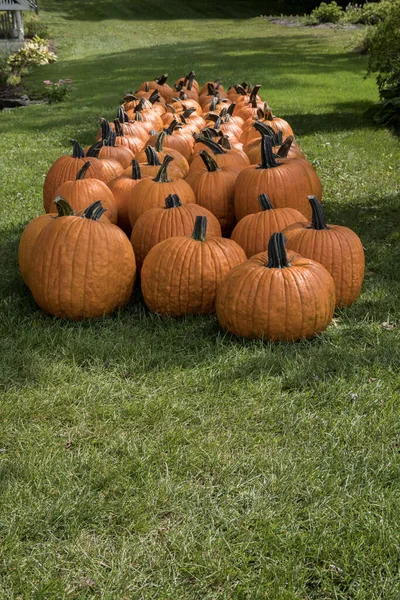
x=94, y=149
x=263, y=128
x=94, y=211
x=216, y=148
x=277, y=257
x=159, y=145
x=171, y=127
x=162, y=175
x=224, y=141
x=318, y=217
x=105, y=129
x=77, y=150
x=122, y=115
x=200, y=229
x=254, y=92
x=285, y=147
x=130, y=97
x=231, y=108
x=119, y=132
x=138, y=116
x=209, y=161
x=172, y=107
x=213, y=103
x=64, y=209
x=239, y=89
x=189, y=111
x=152, y=156
x=210, y=89
x=82, y=172
x=267, y=158
x=172, y=201
x=140, y=105
x=161, y=80
x=110, y=139
x=265, y=202
x=136, y=174
x=155, y=96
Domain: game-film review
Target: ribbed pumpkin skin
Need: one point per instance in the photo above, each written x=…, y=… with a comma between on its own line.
x=121, y=154
x=181, y=143
x=287, y=185
x=159, y=224
x=285, y=304
x=181, y=275
x=254, y=152
x=27, y=241
x=232, y=160
x=121, y=189
x=339, y=249
x=150, y=194
x=81, y=268
x=179, y=162
x=215, y=191
x=66, y=168
x=82, y=192
x=253, y=232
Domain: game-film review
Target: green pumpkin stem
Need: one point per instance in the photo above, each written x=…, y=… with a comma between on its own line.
x=82, y=172
x=136, y=174
x=155, y=96
x=239, y=89
x=318, y=217
x=285, y=147
x=189, y=111
x=267, y=158
x=77, y=150
x=94, y=211
x=254, y=92
x=171, y=127
x=216, y=148
x=64, y=209
x=277, y=257
x=263, y=128
x=95, y=149
x=209, y=161
x=265, y=202
x=159, y=145
x=172, y=201
x=213, y=104
x=231, y=109
x=172, y=107
x=152, y=156
x=200, y=229
x=162, y=175
x=224, y=141
x=140, y=106
x=138, y=116
x=161, y=80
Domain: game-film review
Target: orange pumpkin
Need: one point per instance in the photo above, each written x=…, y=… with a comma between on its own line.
x=183, y=144
x=276, y=296
x=179, y=160
x=106, y=148
x=224, y=158
x=254, y=231
x=181, y=275
x=167, y=221
x=121, y=188
x=336, y=247
x=150, y=193
x=286, y=181
x=82, y=267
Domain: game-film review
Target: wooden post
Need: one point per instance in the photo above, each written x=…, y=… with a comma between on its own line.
x=19, y=25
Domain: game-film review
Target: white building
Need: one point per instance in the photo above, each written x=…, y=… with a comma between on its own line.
x=11, y=24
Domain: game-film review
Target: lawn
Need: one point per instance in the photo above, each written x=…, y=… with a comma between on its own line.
x=147, y=458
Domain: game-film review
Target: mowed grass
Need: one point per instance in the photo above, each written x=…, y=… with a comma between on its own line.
x=147, y=458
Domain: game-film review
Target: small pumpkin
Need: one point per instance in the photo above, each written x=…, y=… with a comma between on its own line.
x=107, y=148
x=276, y=296
x=82, y=267
x=286, y=181
x=236, y=161
x=83, y=191
x=336, y=247
x=182, y=143
x=214, y=188
x=150, y=193
x=181, y=275
x=254, y=231
x=167, y=221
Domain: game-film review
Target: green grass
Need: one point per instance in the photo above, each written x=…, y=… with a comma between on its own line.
x=145, y=458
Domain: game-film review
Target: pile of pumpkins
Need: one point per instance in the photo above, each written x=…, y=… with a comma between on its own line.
x=206, y=197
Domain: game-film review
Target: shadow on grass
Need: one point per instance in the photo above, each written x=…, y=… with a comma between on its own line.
x=133, y=343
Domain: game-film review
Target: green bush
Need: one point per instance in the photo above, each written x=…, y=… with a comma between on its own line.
x=383, y=45
x=370, y=13
x=33, y=26
x=327, y=13
x=33, y=52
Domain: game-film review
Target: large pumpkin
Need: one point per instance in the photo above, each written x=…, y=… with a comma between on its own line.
x=277, y=296
x=150, y=193
x=82, y=267
x=254, y=231
x=286, y=181
x=167, y=221
x=181, y=275
x=214, y=188
x=66, y=168
x=336, y=247
x=83, y=191
x=121, y=188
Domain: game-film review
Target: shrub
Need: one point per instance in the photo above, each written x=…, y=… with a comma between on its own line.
x=33, y=26
x=327, y=13
x=370, y=13
x=388, y=112
x=383, y=45
x=33, y=52
x=59, y=90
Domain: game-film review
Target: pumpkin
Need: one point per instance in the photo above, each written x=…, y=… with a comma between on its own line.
x=224, y=158
x=82, y=267
x=135, y=143
x=167, y=221
x=264, y=115
x=216, y=84
x=336, y=247
x=179, y=160
x=286, y=149
x=121, y=188
x=153, y=164
x=183, y=81
x=214, y=188
x=66, y=168
x=150, y=193
x=83, y=191
x=149, y=118
x=182, y=143
x=181, y=275
x=31, y=232
x=106, y=148
x=129, y=128
x=286, y=181
x=277, y=296
x=254, y=231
